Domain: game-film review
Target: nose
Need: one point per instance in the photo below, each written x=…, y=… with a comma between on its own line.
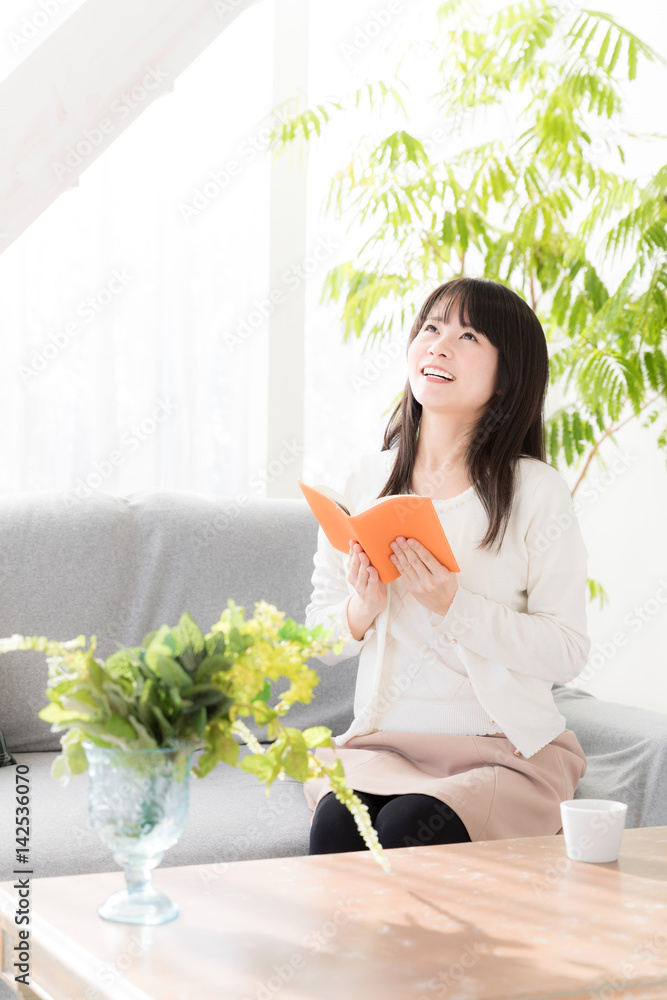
x=440, y=346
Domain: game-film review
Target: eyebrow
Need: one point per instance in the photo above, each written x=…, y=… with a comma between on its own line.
x=440, y=319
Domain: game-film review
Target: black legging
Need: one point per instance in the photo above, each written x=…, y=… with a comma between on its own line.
x=400, y=821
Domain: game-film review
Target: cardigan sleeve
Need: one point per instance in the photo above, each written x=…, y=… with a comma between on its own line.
x=549, y=640
x=331, y=595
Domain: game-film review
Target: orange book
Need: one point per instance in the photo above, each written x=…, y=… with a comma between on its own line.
x=376, y=527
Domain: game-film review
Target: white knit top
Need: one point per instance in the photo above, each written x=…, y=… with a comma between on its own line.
x=517, y=622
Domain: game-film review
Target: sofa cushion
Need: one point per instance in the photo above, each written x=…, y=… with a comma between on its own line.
x=117, y=567
x=626, y=752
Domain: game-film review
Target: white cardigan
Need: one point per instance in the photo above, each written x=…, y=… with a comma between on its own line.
x=517, y=622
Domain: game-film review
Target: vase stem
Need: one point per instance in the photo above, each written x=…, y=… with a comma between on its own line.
x=138, y=879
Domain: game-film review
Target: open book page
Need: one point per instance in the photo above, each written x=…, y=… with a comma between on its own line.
x=345, y=504
x=337, y=498
x=394, y=496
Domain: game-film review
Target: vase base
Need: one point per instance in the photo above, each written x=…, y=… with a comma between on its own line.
x=148, y=908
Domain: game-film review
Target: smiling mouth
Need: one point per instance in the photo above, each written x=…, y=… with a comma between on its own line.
x=434, y=376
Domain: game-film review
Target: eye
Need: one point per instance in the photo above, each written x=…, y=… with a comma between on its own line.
x=431, y=326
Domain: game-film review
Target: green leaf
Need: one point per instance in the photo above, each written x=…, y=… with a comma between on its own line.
x=145, y=738
x=76, y=758
x=294, y=753
x=632, y=59
x=223, y=743
x=203, y=695
x=188, y=633
x=166, y=729
x=615, y=54
x=317, y=736
x=175, y=699
x=215, y=644
x=462, y=230
x=59, y=716
x=205, y=764
x=265, y=693
x=148, y=698
x=169, y=641
x=199, y=721
x=567, y=439
x=169, y=670
x=157, y=635
x=189, y=659
x=59, y=767
x=116, y=725
x=211, y=665
x=63, y=687
x=96, y=674
x=295, y=763
x=81, y=701
x=596, y=592
x=262, y=713
x=262, y=766
x=238, y=642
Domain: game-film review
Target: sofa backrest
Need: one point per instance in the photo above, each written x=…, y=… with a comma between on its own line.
x=117, y=567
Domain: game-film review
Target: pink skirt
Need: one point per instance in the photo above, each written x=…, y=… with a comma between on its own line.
x=496, y=793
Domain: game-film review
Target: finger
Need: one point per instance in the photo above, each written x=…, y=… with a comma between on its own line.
x=370, y=574
x=420, y=558
x=416, y=548
x=396, y=555
x=358, y=553
x=401, y=555
x=410, y=564
x=405, y=569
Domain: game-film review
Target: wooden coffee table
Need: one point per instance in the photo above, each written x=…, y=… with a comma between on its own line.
x=495, y=919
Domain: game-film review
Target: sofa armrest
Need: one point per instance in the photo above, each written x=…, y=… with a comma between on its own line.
x=626, y=751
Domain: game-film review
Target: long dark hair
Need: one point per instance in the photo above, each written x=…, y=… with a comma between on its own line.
x=513, y=423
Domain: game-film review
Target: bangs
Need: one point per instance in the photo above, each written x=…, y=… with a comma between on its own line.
x=463, y=297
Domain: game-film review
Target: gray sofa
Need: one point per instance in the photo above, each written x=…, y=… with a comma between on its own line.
x=118, y=567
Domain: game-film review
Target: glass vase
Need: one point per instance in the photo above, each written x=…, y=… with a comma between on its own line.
x=138, y=803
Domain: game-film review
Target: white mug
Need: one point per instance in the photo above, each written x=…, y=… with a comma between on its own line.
x=593, y=828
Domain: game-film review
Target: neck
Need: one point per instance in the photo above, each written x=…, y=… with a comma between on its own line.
x=441, y=446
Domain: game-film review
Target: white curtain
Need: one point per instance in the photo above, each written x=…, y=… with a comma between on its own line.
x=119, y=301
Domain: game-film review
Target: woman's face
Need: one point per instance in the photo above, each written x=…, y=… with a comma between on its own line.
x=459, y=351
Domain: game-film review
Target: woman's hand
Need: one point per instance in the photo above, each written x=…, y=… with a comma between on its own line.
x=429, y=582
x=364, y=577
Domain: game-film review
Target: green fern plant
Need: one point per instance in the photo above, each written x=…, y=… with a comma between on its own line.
x=539, y=211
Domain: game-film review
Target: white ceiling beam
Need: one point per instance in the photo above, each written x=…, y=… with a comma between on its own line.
x=81, y=88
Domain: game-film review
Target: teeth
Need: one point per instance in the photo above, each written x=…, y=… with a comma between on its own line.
x=431, y=371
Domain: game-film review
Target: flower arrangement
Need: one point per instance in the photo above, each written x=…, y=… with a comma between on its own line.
x=182, y=687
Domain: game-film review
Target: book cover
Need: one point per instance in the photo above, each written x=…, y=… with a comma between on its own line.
x=376, y=527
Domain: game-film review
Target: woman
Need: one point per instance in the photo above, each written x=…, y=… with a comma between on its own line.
x=456, y=735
